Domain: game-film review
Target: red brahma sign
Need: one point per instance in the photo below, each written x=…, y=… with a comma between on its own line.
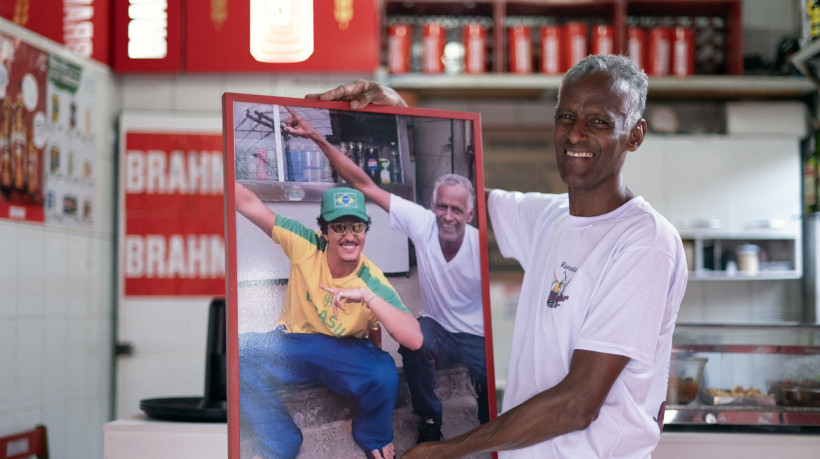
x=173, y=214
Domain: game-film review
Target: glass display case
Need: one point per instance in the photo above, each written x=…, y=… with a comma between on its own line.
x=745, y=375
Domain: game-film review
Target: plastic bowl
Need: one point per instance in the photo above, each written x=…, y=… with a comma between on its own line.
x=685, y=376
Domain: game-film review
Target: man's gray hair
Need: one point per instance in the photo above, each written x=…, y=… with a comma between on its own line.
x=455, y=179
x=618, y=67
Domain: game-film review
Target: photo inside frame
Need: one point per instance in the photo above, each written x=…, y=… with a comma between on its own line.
x=403, y=152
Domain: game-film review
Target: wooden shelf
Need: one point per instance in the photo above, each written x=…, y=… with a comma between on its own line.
x=500, y=85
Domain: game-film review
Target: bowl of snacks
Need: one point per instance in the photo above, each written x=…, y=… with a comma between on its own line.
x=739, y=395
x=685, y=376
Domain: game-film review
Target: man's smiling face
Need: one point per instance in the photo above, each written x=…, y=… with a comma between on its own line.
x=452, y=212
x=347, y=246
x=593, y=131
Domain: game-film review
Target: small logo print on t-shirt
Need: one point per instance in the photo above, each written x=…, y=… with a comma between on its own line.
x=559, y=286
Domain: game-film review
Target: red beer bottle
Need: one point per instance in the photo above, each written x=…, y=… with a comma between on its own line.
x=18, y=146
x=5, y=148
x=375, y=335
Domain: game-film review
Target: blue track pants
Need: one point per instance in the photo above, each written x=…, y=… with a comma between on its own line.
x=349, y=367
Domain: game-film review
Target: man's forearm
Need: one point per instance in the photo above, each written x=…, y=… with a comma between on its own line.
x=402, y=326
x=572, y=404
x=539, y=419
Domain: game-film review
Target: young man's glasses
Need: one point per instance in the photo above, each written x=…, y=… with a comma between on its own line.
x=340, y=229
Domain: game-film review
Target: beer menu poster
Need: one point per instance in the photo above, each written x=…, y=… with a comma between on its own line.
x=270, y=152
x=69, y=152
x=46, y=138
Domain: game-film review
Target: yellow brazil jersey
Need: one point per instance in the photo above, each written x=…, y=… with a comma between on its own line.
x=308, y=307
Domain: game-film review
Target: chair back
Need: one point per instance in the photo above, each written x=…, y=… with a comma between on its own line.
x=31, y=443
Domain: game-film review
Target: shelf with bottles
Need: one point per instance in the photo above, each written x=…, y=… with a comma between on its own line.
x=548, y=36
x=749, y=258
x=295, y=168
x=305, y=172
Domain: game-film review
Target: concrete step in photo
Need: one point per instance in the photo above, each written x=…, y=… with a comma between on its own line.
x=325, y=418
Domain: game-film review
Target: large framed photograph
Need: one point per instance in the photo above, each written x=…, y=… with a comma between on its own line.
x=357, y=282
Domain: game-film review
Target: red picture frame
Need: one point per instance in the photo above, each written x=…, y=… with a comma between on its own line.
x=291, y=179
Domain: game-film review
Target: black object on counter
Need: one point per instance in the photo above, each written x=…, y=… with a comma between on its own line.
x=213, y=406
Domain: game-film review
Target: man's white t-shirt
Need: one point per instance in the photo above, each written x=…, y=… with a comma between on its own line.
x=451, y=291
x=611, y=283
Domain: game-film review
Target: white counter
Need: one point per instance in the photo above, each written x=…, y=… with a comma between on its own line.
x=140, y=437
x=687, y=445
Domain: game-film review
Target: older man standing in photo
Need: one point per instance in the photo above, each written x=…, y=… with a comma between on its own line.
x=588, y=369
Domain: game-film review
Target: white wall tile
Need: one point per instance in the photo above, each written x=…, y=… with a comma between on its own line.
x=775, y=301
x=28, y=416
x=79, y=274
x=299, y=85
x=102, y=356
x=57, y=359
x=105, y=196
x=56, y=284
x=146, y=92
x=7, y=425
x=8, y=357
x=83, y=354
x=82, y=409
x=57, y=419
x=183, y=375
x=99, y=350
x=98, y=415
x=166, y=325
x=103, y=280
x=691, y=308
x=250, y=84
x=8, y=270
x=726, y=301
x=28, y=367
x=200, y=93
x=761, y=118
x=31, y=264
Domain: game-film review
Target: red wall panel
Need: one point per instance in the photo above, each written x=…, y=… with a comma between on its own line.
x=150, y=29
x=345, y=36
x=83, y=26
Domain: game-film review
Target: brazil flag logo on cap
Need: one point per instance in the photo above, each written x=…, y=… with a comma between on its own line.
x=344, y=199
x=342, y=202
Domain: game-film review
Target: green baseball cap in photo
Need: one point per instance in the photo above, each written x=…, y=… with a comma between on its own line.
x=343, y=202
